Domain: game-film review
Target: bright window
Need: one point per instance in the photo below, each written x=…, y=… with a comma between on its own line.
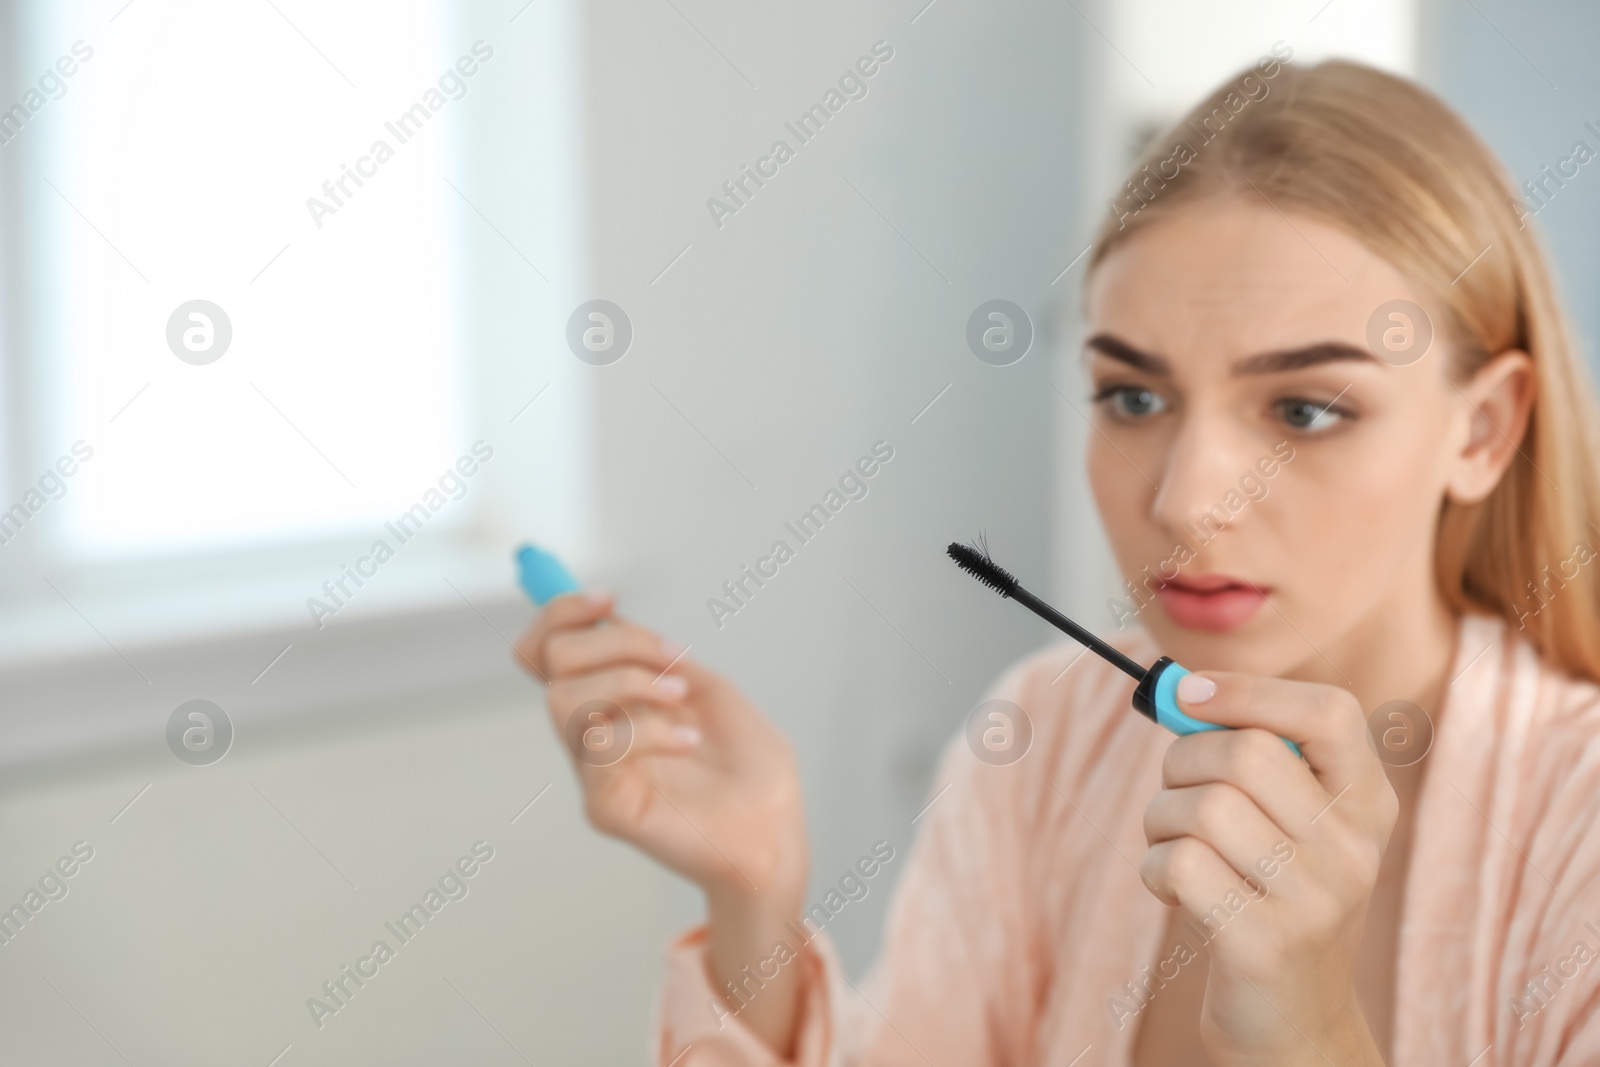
x=175, y=164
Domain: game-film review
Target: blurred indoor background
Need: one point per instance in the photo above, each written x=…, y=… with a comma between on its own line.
x=373, y=324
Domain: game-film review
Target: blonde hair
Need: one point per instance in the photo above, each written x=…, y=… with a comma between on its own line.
x=1391, y=164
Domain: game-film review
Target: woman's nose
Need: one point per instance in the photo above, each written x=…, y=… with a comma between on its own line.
x=1203, y=464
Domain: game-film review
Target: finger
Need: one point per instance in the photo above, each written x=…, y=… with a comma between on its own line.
x=1222, y=817
x=1254, y=762
x=1187, y=872
x=657, y=734
x=1325, y=721
x=722, y=707
x=563, y=612
x=723, y=711
x=620, y=687
x=580, y=651
x=622, y=736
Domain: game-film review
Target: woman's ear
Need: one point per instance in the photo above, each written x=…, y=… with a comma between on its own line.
x=1499, y=399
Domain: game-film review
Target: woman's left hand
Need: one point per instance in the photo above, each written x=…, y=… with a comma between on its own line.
x=1288, y=850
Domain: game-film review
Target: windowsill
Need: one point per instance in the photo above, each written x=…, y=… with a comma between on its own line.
x=128, y=613
x=436, y=634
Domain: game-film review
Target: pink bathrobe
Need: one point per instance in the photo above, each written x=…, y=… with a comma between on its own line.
x=1021, y=916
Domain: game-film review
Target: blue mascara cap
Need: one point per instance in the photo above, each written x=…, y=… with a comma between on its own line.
x=542, y=576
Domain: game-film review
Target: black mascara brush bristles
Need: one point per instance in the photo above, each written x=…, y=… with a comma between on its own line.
x=976, y=562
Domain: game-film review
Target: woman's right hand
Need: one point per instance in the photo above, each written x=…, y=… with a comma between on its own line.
x=675, y=760
x=705, y=785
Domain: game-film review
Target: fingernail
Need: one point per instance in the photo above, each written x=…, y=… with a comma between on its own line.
x=1195, y=689
x=689, y=735
x=671, y=649
x=674, y=685
x=597, y=596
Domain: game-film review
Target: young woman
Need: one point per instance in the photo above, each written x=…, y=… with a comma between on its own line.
x=1346, y=457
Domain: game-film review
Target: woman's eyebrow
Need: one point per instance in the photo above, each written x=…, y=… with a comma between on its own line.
x=1296, y=358
x=1266, y=363
x=1121, y=351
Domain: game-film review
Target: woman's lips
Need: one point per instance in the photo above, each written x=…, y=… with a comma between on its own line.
x=1212, y=602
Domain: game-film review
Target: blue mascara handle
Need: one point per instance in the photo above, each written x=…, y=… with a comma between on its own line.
x=1157, y=699
x=542, y=576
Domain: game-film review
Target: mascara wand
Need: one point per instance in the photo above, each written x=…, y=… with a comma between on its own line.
x=1156, y=696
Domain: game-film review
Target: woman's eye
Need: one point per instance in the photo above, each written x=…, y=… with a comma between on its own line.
x=1309, y=415
x=1130, y=402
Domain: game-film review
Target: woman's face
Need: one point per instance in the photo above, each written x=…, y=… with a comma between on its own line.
x=1268, y=485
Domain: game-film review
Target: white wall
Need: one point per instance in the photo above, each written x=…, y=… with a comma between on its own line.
x=824, y=316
